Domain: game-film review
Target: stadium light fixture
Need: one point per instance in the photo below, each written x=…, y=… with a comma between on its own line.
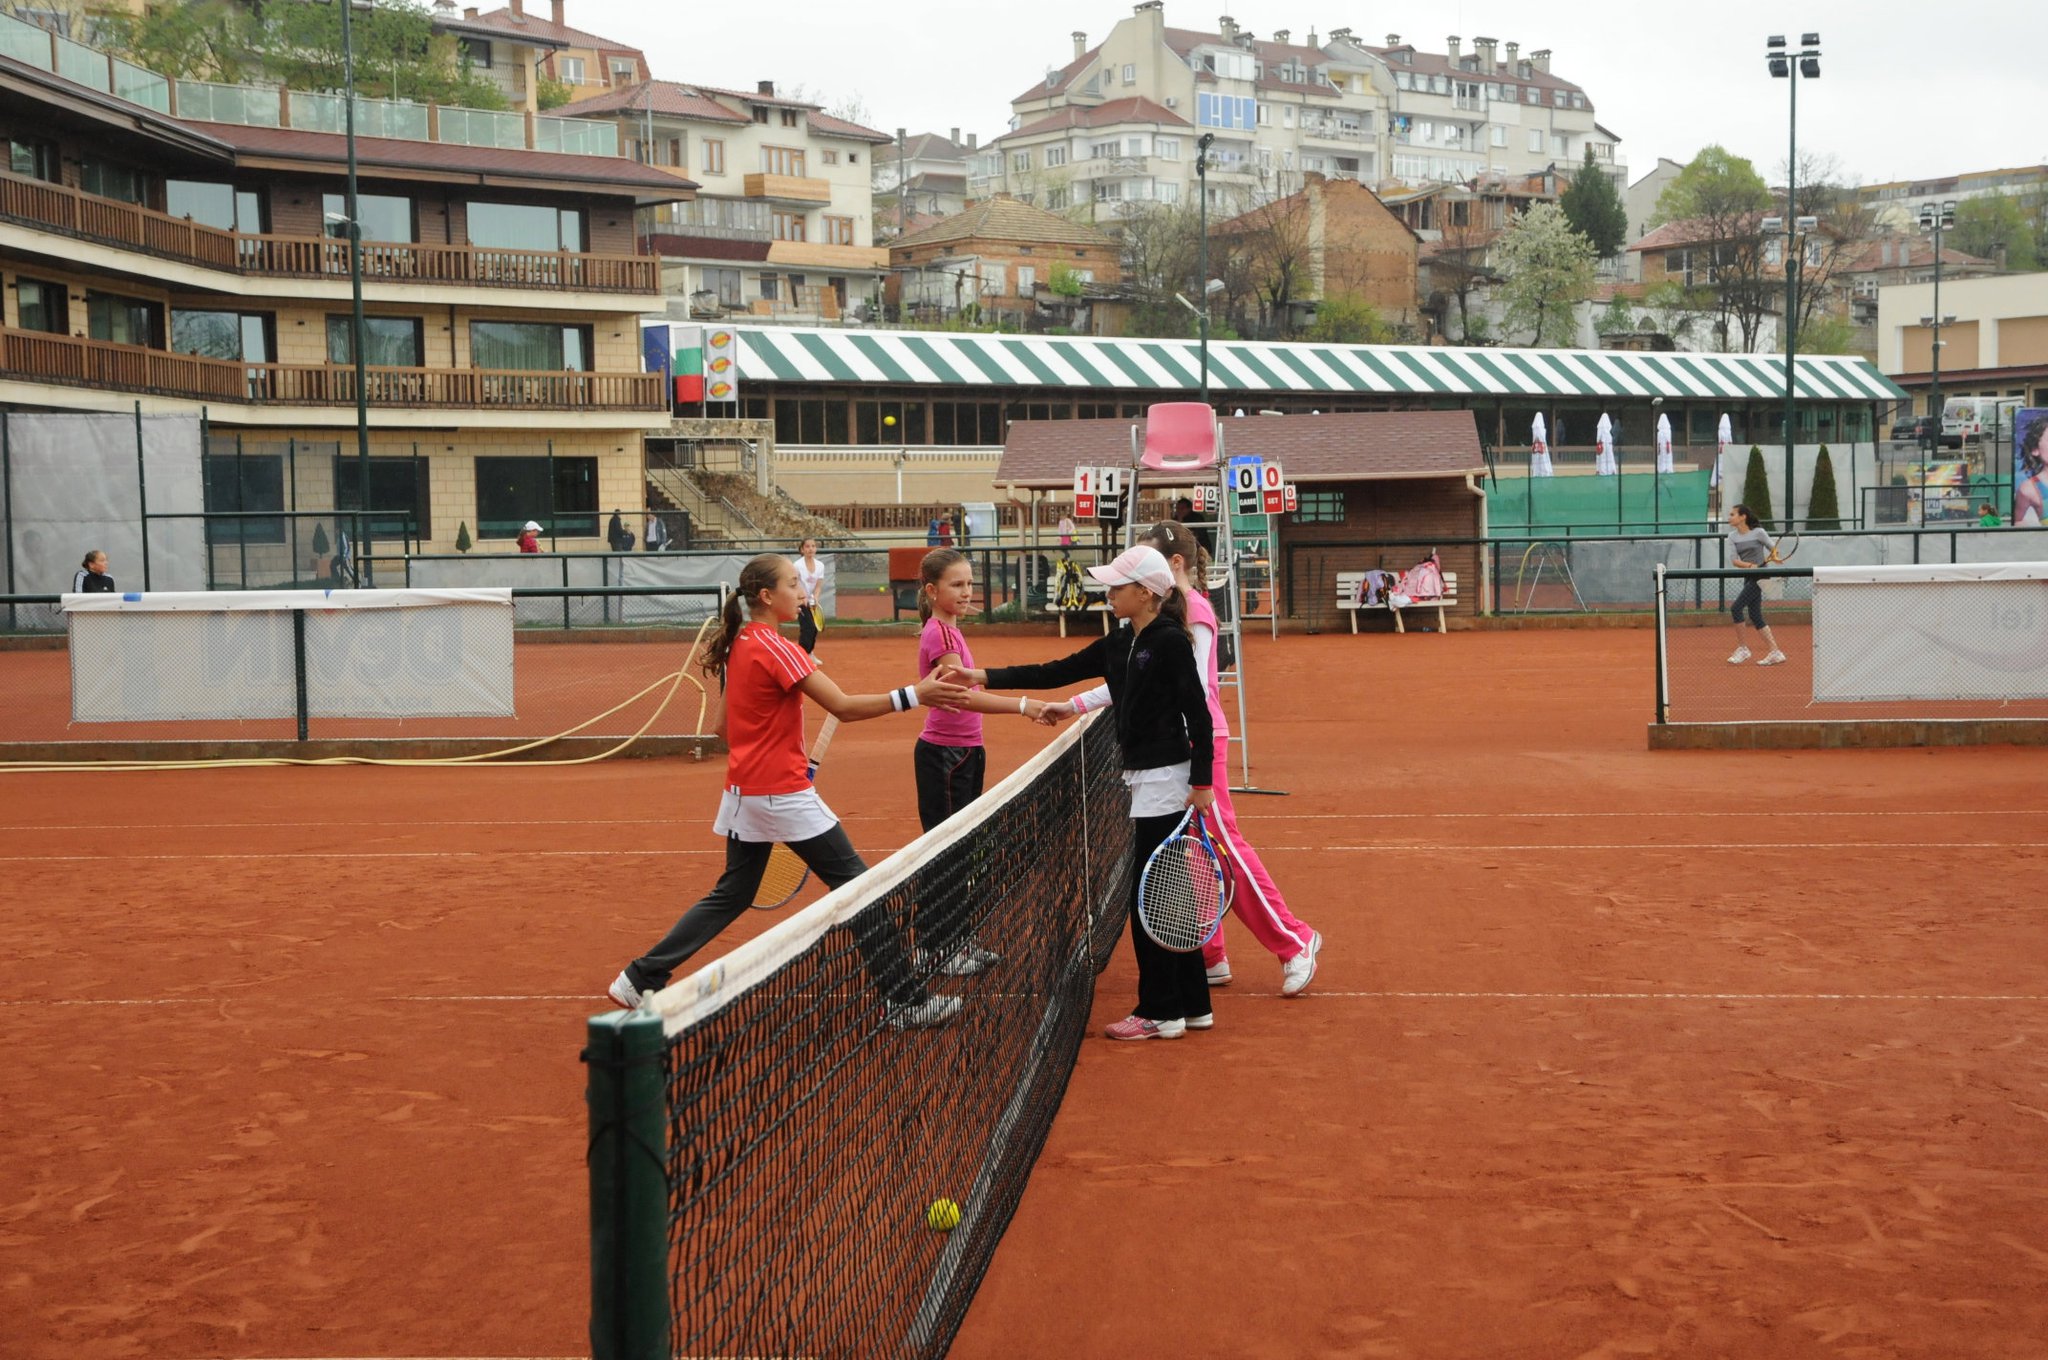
x=1780, y=60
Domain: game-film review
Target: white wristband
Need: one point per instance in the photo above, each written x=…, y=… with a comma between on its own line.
x=1024, y=705
x=909, y=693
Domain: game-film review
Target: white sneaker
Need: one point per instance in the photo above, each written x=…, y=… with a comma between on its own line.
x=987, y=958
x=961, y=963
x=1742, y=654
x=1219, y=973
x=624, y=992
x=1297, y=972
x=934, y=1010
x=1207, y=1020
x=1774, y=659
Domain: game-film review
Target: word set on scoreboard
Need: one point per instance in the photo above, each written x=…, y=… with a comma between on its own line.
x=1261, y=488
x=1098, y=493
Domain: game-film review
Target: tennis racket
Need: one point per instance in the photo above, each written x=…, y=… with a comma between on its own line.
x=1181, y=895
x=1784, y=550
x=786, y=872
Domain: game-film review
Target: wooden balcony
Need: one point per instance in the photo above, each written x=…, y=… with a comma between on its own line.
x=31, y=356
x=126, y=226
x=787, y=188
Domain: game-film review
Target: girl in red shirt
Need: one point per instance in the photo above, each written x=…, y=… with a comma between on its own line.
x=769, y=797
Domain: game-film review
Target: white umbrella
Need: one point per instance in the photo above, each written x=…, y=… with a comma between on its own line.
x=1664, y=443
x=1603, y=448
x=1724, y=438
x=1539, y=448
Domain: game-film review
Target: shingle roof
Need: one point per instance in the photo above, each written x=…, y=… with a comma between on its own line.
x=825, y=125
x=1339, y=447
x=504, y=21
x=1061, y=78
x=615, y=172
x=757, y=97
x=1136, y=110
x=1003, y=218
x=931, y=146
x=1907, y=252
x=670, y=99
x=1687, y=231
x=1439, y=64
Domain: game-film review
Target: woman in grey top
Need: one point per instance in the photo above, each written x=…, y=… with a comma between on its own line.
x=1750, y=548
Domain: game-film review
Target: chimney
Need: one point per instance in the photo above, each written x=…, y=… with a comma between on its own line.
x=1393, y=40
x=1513, y=50
x=1540, y=59
x=1152, y=18
x=519, y=11
x=1080, y=43
x=1280, y=35
x=1483, y=48
x=1340, y=35
x=557, y=7
x=766, y=87
x=1227, y=27
x=1312, y=40
x=444, y=6
x=972, y=139
x=1451, y=46
x=469, y=13
x=955, y=138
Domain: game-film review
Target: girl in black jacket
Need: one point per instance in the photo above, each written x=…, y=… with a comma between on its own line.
x=1162, y=724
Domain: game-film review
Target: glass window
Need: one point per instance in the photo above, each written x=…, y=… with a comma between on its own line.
x=624, y=70
x=41, y=306
x=714, y=156
x=789, y=226
x=525, y=226
x=238, y=483
x=398, y=495
x=124, y=320
x=112, y=181
x=725, y=283
x=222, y=335
x=838, y=231
x=388, y=342
x=475, y=51
x=36, y=160
x=1320, y=507
x=569, y=70
x=386, y=217
x=782, y=160
x=511, y=491
x=870, y=422
x=215, y=205
x=529, y=347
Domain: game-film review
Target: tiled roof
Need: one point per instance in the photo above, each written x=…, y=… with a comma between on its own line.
x=795, y=355
x=1186, y=40
x=1137, y=110
x=1061, y=78
x=611, y=172
x=514, y=26
x=1906, y=252
x=1349, y=447
x=756, y=97
x=825, y=125
x=931, y=146
x=1439, y=64
x=1006, y=219
x=1686, y=231
x=670, y=99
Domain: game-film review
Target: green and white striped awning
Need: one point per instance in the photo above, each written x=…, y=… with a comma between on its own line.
x=947, y=359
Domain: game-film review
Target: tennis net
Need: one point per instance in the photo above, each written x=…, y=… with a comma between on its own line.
x=775, y=1169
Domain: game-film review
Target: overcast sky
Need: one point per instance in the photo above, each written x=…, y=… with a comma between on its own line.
x=1907, y=90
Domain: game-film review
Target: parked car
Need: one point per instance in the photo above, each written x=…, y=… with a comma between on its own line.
x=1920, y=430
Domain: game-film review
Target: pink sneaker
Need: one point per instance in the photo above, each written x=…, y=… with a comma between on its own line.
x=1132, y=1028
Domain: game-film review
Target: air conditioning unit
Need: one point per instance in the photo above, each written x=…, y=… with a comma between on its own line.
x=1173, y=101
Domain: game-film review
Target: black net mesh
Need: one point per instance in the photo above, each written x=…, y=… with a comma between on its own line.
x=819, y=1135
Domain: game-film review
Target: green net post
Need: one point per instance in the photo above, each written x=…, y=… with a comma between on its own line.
x=629, y=1304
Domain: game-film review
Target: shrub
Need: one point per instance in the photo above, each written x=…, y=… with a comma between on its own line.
x=462, y=541
x=1756, y=487
x=1824, y=510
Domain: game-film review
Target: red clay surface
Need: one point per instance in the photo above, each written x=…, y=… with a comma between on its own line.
x=1611, y=1053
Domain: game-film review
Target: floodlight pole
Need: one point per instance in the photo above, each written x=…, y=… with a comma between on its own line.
x=1202, y=145
x=355, y=283
x=1788, y=65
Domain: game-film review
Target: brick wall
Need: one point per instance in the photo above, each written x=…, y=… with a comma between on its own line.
x=1429, y=510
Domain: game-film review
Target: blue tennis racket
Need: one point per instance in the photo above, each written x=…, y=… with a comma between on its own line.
x=1183, y=892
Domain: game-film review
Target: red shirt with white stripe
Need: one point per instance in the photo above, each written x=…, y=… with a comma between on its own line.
x=764, y=713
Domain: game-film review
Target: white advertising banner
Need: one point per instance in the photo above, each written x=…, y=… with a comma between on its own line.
x=172, y=656
x=1953, y=631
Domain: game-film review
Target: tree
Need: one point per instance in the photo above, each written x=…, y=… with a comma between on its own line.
x=204, y=39
x=462, y=539
x=321, y=544
x=549, y=93
x=1993, y=225
x=1715, y=183
x=1719, y=198
x=1616, y=318
x=1348, y=320
x=1547, y=271
x=1594, y=208
x=1278, y=241
x=1458, y=270
x=1756, y=487
x=1823, y=507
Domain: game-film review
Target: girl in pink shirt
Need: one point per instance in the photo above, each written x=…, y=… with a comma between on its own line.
x=950, y=760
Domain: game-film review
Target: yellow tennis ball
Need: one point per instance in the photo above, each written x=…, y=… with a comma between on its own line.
x=888, y=420
x=943, y=1216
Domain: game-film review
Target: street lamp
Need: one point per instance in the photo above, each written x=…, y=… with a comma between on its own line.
x=353, y=218
x=1937, y=220
x=1202, y=145
x=1789, y=66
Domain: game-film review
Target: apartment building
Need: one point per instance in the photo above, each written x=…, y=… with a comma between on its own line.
x=1897, y=203
x=180, y=246
x=1003, y=257
x=781, y=226
x=519, y=50
x=1279, y=110
x=933, y=171
x=1343, y=243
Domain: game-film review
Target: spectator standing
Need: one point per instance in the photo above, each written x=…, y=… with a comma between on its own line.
x=657, y=532
x=529, y=537
x=617, y=534
x=91, y=577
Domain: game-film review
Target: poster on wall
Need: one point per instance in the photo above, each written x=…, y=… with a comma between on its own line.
x=2030, y=466
x=721, y=364
x=1938, y=491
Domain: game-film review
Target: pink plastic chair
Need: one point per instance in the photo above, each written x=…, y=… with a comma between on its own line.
x=1180, y=436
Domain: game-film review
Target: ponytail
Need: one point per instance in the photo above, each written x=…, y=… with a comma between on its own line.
x=758, y=575
x=1174, y=608
x=929, y=573
x=1173, y=538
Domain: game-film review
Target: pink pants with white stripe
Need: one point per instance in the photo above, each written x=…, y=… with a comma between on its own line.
x=1257, y=900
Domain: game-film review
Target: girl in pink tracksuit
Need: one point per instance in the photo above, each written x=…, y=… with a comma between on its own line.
x=1257, y=900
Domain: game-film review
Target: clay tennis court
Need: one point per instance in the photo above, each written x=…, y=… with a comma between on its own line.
x=1611, y=1053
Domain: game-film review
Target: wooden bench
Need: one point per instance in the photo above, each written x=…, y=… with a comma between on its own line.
x=1350, y=592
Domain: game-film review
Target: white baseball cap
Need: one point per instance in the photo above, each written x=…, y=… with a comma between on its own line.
x=1139, y=566
x=532, y=527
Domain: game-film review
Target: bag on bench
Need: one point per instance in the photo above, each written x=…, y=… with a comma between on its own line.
x=1070, y=592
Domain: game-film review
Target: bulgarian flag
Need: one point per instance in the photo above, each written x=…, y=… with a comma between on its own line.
x=688, y=365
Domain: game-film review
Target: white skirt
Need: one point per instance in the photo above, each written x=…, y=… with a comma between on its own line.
x=785, y=817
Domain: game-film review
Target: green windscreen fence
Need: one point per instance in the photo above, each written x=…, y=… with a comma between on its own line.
x=1639, y=501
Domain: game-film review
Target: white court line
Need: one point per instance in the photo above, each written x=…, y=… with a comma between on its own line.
x=121, y=1001
x=598, y=1002
x=357, y=854
x=1772, y=813
x=1452, y=847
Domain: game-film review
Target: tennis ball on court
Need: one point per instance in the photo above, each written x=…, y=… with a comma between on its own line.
x=943, y=1216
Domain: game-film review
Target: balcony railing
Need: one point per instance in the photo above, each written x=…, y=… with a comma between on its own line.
x=1334, y=132
x=31, y=356
x=129, y=226
x=787, y=188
